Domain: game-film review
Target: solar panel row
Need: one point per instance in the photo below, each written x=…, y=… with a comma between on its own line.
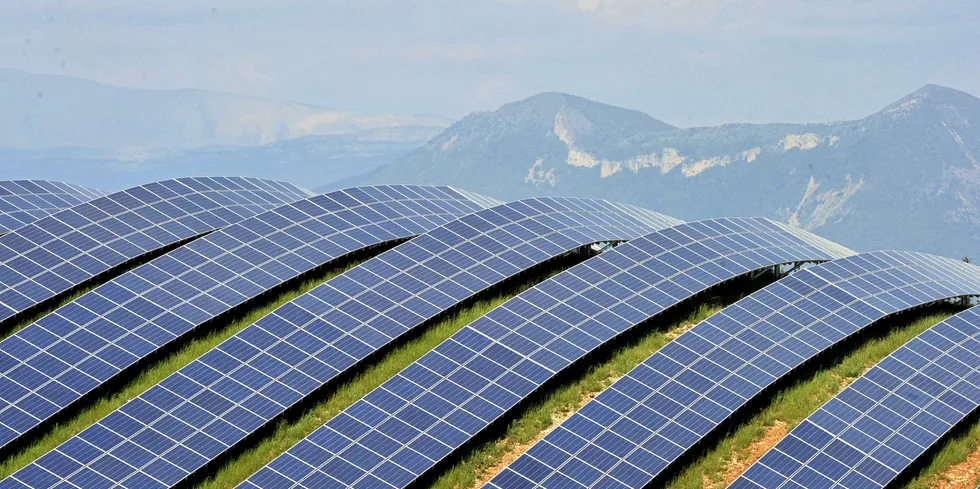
x=201, y=411
x=52, y=363
x=633, y=430
x=401, y=429
x=624, y=438
x=25, y=201
x=886, y=419
x=50, y=256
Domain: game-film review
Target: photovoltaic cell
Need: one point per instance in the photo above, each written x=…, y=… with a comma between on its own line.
x=634, y=429
x=50, y=256
x=25, y=201
x=66, y=354
x=886, y=419
x=204, y=409
x=402, y=428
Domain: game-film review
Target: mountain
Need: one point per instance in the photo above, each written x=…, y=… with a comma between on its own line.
x=45, y=111
x=906, y=177
x=307, y=161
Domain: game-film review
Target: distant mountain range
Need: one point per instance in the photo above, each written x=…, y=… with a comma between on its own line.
x=45, y=111
x=308, y=161
x=108, y=137
x=906, y=177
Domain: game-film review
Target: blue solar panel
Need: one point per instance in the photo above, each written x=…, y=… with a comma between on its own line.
x=66, y=354
x=886, y=419
x=472, y=379
x=25, y=201
x=634, y=429
x=41, y=260
x=205, y=408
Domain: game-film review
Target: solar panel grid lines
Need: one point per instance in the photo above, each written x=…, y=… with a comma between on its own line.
x=54, y=254
x=205, y=408
x=923, y=415
x=878, y=425
x=633, y=430
x=25, y=201
x=52, y=363
x=482, y=371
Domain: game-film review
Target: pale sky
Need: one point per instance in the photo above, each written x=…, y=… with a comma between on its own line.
x=687, y=62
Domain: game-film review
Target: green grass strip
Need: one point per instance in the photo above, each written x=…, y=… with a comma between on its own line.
x=150, y=376
x=23, y=323
x=953, y=462
x=790, y=407
x=490, y=457
x=717, y=467
x=287, y=434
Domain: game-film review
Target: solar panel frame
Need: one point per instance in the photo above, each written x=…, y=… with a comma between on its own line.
x=885, y=420
x=476, y=375
x=145, y=309
x=617, y=440
x=274, y=363
x=25, y=201
x=259, y=376
x=46, y=258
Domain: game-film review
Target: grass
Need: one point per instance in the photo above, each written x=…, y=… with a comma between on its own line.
x=6, y=332
x=714, y=467
x=288, y=433
x=61, y=300
x=955, y=452
x=150, y=376
x=558, y=404
x=789, y=408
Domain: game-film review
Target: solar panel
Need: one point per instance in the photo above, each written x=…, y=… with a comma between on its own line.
x=25, y=201
x=63, y=356
x=415, y=419
x=634, y=429
x=50, y=256
x=886, y=419
x=210, y=405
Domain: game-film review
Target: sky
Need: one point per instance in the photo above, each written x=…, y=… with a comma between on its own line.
x=687, y=62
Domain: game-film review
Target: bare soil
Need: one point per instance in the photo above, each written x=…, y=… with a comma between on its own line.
x=963, y=475
x=741, y=460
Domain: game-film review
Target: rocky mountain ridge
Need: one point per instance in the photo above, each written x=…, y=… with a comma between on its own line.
x=905, y=177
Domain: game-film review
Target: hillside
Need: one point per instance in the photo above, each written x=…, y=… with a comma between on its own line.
x=906, y=177
x=44, y=111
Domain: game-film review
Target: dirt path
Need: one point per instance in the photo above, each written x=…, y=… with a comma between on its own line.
x=963, y=475
x=517, y=450
x=557, y=418
x=741, y=461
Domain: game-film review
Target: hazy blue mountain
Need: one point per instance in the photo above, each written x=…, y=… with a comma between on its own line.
x=906, y=177
x=308, y=161
x=45, y=111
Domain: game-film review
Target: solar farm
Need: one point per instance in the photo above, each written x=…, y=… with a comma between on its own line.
x=240, y=332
